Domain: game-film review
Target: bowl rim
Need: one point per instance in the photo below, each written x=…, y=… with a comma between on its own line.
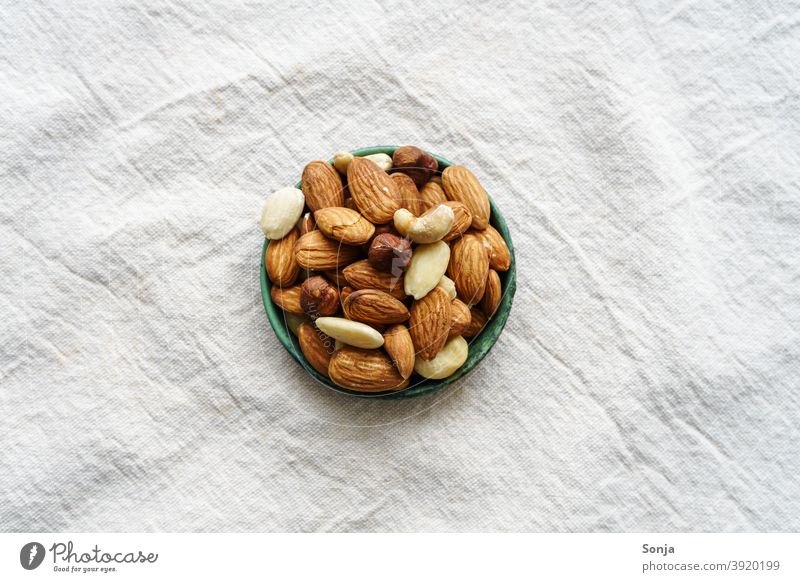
x=477, y=349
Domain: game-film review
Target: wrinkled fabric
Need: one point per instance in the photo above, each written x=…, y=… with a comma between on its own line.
x=645, y=156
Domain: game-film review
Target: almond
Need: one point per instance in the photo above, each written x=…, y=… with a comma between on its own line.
x=294, y=320
x=316, y=347
x=353, y=333
x=460, y=318
x=414, y=162
x=409, y=194
x=461, y=221
x=362, y=275
x=343, y=224
x=280, y=260
x=476, y=323
x=428, y=264
x=461, y=185
x=307, y=223
x=451, y=357
x=336, y=277
x=499, y=255
x=344, y=293
x=469, y=268
x=373, y=191
x=322, y=186
x=374, y=307
x=389, y=253
x=365, y=370
x=318, y=297
x=398, y=344
x=492, y=295
x=429, y=324
x=447, y=284
x=317, y=252
x=280, y=212
x=287, y=298
x=432, y=195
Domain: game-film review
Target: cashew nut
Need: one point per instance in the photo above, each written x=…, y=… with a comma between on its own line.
x=428, y=228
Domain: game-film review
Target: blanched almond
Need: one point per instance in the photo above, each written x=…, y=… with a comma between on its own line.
x=352, y=333
x=281, y=211
x=428, y=264
x=449, y=359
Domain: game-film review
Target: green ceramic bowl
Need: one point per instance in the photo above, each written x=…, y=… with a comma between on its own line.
x=479, y=346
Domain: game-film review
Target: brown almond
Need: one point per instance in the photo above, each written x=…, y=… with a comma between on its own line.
x=409, y=194
x=499, y=255
x=429, y=324
x=469, y=268
x=432, y=195
x=307, y=223
x=345, y=225
x=322, y=186
x=287, y=298
x=492, y=295
x=344, y=293
x=373, y=191
x=461, y=185
x=318, y=297
x=461, y=222
x=362, y=275
x=476, y=323
x=364, y=370
x=398, y=344
x=282, y=267
x=316, y=347
x=317, y=252
x=416, y=163
x=460, y=318
x=374, y=307
x=336, y=277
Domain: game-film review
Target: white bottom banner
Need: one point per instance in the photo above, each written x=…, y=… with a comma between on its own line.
x=389, y=557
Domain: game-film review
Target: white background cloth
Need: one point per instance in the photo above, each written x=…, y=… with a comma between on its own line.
x=647, y=159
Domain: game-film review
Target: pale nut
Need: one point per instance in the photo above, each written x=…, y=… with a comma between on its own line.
x=281, y=211
x=428, y=264
x=341, y=160
x=428, y=228
x=448, y=285
x=351, y=333
x=449, y=359
x=383, y=161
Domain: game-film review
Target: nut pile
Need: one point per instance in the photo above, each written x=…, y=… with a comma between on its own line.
x=383, y=266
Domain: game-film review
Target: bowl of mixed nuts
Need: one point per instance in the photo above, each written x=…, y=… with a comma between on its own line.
x=387, y=271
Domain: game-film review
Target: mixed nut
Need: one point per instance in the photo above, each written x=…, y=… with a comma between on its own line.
x=383, y=266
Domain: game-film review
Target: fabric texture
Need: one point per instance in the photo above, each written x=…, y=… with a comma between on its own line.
x=645, y=156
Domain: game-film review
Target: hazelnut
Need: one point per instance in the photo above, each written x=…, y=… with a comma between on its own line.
x=389, y=253
x=415, y=163
x=318, y=297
